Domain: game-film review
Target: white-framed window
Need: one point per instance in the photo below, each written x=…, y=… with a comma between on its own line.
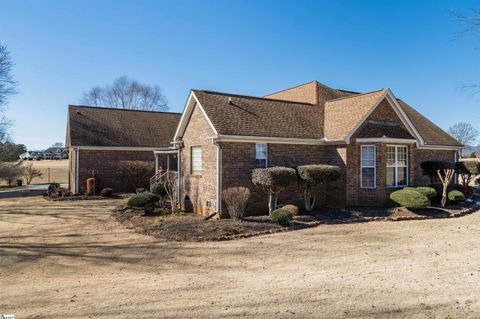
x=368, y=161
x=260, y=155
x=196, y=159
x=397, y=165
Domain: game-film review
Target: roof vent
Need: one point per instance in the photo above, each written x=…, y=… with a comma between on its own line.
x=230, y=100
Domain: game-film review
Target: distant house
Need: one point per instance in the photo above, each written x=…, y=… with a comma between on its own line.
x=55, y=153
x=31, y=155
x=98, y=138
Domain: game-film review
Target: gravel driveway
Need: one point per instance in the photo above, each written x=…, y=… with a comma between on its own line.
x=72, y=260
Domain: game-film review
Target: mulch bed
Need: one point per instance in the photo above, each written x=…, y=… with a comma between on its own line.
x=192, y=227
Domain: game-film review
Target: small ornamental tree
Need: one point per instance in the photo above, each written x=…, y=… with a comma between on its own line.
x=467, y=170
x=311, y=177
x=273, y=180
x=445, y=173
x=430, y=168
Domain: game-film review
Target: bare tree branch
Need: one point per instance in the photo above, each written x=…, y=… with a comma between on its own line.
x=127, y=93
x=465, y=133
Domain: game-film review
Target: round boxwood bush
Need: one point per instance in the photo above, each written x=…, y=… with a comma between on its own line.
x=106, y=192
x=410, y=199
x=456, y=196
x=281, y=217
x=292, y=209
x=143, y=200
x=430, y=192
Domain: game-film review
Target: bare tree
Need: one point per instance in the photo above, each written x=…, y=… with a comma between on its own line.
x=7, y=88
x=29, y=173
x=465, y=133
x=127, y=93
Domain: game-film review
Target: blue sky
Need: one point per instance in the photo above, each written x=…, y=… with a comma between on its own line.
x=62, y=48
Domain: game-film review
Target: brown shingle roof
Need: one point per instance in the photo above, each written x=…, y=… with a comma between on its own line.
x=431, y=133
x=254, y=116
x=100, y=126
x=334, y=115
x=343, y=114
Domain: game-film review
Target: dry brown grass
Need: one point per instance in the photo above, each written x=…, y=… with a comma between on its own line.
x=73, y=260
x=58, y=171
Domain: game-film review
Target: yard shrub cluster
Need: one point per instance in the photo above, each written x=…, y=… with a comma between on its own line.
x=429, y=192
x=467, y=170
x=106, y=192
x=144, y=200
x=274, y=180
x=410, y=199
x=456, y=196
x=236, y=199
x=442, y=171
x=281, y=216
x=310, y=177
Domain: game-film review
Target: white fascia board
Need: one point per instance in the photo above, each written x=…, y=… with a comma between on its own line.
x=192, y=101
x=273, y=140
x=405, y=119
x=385, y=140
x=117, y=148
x=440, y=147
x=170, y=151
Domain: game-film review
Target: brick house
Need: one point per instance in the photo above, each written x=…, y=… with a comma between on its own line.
x=99, y=138
x=378, y=141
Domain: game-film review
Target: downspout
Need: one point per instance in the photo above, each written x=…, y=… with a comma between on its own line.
x=219, y=178
x=179, y=173
x=77, y=170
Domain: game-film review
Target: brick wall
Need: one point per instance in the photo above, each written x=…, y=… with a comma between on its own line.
x=428, y=155
x=356, y=195
x=238, y=161
x=197, y=189
x=105, y=164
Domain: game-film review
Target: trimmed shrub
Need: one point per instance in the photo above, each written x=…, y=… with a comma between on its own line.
x=106, y=192
x=430, y=192
x=273, y=180
x=281, y=217
x=159, y=189
x=410, y=199
x=143, y=200
x=430, y=168
x=135, y=174
x=311, y=177
x=236, y=199
x=467, y=170
x=456, y=196
x=292, y=209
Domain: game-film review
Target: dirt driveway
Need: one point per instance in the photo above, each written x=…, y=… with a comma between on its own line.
x=71, y=260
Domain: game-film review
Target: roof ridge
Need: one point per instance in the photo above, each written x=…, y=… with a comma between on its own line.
x=293, y=87
x=359, y=94
x=119, y=109
x=254, y=97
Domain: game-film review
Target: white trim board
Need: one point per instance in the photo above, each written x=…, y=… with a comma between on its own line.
x=274, y=140
x=117, y=148
x=192, y=101
x=385, y=140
